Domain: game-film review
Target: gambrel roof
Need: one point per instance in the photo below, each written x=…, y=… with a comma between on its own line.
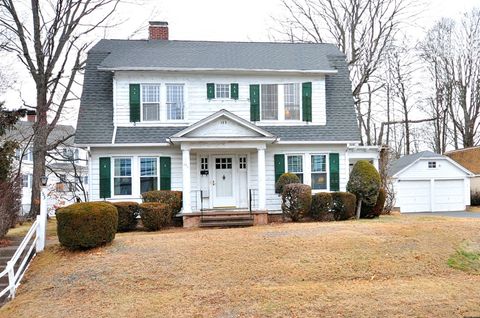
x=206, y=55
x=95, y=119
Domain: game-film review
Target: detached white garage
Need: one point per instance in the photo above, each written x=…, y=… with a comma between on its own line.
x=429, y=182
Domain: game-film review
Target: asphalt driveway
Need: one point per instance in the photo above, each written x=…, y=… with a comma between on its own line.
x=459, y=214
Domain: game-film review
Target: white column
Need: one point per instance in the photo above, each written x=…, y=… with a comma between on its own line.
x=262, y=199
x=186, y=180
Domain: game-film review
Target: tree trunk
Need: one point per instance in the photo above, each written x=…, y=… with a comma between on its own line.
x=359, y=208
x=41, y=130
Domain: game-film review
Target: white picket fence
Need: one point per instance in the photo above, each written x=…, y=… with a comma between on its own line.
x=31, y=244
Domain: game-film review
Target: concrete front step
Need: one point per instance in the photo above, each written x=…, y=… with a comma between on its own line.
x=222, y=218
x=226, y=223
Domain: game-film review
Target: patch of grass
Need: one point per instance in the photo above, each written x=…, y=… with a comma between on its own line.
x=466, y=258
x=21, y=230
x=393, y=266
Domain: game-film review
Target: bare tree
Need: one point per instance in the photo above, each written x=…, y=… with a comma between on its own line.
x=50, y=39
x=362, y=29
x=70, y=169
x=451, y=52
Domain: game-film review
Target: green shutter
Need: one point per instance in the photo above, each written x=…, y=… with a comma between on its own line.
x=165, y=173
x=279, y=162
x=307, y=101
x=134, y=102
x=210, y=90
x=254, y=102
x=234, y=91
x=334, y=172
x=105, y=178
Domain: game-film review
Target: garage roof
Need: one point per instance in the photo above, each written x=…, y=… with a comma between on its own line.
x=406, y=161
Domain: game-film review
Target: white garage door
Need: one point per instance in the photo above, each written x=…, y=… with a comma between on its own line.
x=413, y=196
x=449, y=195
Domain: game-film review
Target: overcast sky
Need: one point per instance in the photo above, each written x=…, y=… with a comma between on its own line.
x=246, y=20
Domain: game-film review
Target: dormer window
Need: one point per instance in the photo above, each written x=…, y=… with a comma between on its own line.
x=432, y=164
x=151, y=102
x=222, y=91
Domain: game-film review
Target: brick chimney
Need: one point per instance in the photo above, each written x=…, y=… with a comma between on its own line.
x=31, y=116
x=158, y=30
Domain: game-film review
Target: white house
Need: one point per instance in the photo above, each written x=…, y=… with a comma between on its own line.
x=429, y=182
x=220, y=121
x=66, y=165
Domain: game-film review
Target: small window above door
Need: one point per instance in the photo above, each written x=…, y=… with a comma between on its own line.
x=432, y=164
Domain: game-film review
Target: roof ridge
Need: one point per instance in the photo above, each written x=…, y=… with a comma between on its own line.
x=219, y=41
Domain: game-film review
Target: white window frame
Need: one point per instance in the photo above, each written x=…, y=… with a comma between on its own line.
x=165, y=112
x=140, y=171
x=303, y=164
x=113, y=176
x=435, y=165
x=228, y=90
x=299, y=96
x=327, y=170
x=279, y=102
x=28, y=155
x=159, y=102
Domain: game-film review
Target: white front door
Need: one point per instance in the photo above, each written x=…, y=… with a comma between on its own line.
x=223, y=191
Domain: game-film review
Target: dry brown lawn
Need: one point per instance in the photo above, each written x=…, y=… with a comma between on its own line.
x=394, y=266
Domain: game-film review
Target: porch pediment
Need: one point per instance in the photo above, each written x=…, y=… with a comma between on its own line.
x=221, y=125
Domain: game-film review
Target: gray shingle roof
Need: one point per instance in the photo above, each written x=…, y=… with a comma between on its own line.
x=96, y=110
x=23, y=132
x=95, y=117
x=405, y=161
x=145, y=54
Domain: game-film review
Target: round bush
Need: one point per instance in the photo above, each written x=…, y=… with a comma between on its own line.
x=127, y=215
x=296, y=200
x=344, y=204
x=286, y=178
x=155, y=215
x=372, y=211
x=171, y=198
x=322, y=205
x=364, y=182
x=86, y=225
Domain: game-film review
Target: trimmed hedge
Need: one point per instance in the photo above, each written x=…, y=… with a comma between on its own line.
x=171, y=198
x=344, y=204
x=372, y=211
x=155, y=215
x=296, y=200
x=86, y=225
x=322, y=207
x=284, y=179
x=127, y=215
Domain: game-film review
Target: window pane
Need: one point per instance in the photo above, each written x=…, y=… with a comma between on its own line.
x=269, y=101
x=25, y=180
x=295, y=163
x=148, y=184
x=174, y=102
x=319, y=181
x=319, y=163
x=122, y=186
x=148, y=167
x=292, y=101
x=151, y=112
x=222, y=91
x=151, y=93
x=123, y=167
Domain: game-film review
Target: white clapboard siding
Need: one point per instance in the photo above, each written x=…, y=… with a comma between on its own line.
x=197, y=106
x=272, y=199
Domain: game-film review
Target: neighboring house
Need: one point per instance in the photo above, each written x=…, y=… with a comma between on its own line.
x=469, y=158
x=66, y=166
x=429, y=182
x=220, y=121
